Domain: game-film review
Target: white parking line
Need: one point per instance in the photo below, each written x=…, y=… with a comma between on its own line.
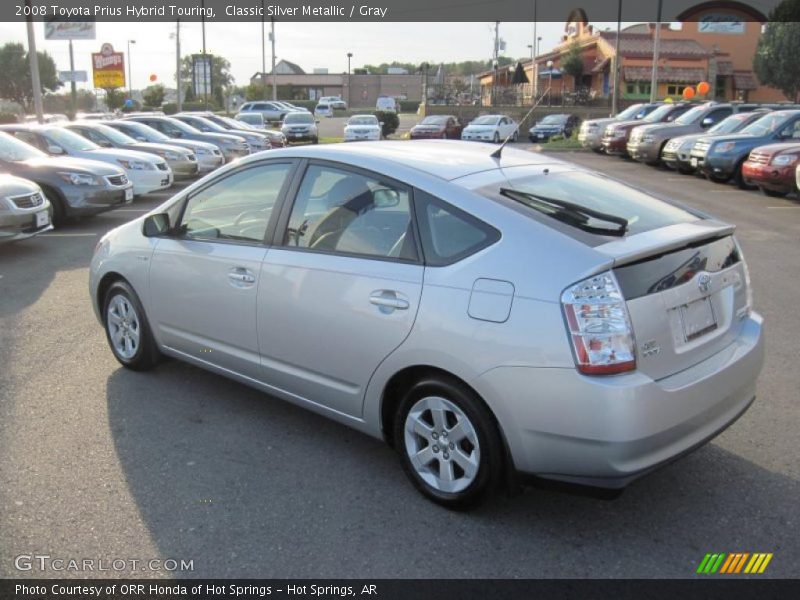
x=784, y=207
x=49, y=235
x=133, y=210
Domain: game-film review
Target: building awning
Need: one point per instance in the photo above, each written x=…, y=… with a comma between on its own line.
x=744, y=80
x=601, y=66
x=724, y=68
x=665, y=74
x=554, y=73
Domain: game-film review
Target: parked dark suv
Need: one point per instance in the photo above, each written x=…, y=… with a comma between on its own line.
x=720, y=158
x=616, y=135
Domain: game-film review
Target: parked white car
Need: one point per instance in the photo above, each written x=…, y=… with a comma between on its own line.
x=323, y=110
x=335, y=102
x=362, y=127
x=491, y=128
x=147, y=172
x=386, y=103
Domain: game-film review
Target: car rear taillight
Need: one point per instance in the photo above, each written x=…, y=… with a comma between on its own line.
x=598, y=326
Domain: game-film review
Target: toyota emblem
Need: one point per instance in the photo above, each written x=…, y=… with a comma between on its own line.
x=704, y=282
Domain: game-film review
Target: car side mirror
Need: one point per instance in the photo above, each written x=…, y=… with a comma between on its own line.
x=381, y=123
x=105, y=144
x=53, y=149
x=140, y=138
x=155, y=225
x=707, y=122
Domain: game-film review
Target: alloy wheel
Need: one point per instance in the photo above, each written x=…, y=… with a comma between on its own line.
x=124, y=327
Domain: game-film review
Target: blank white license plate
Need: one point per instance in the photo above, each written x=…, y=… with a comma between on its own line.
x=698, y=318
x=129, y=194
x=298, y=135
x=693, y=161
x=42, y=219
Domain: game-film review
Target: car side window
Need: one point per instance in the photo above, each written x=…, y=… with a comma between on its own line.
x=346, y=212
x=30, y=138
x=93, y=136
x=717, y=115
x=236, y=208
x=448, y=234
x=791, y=131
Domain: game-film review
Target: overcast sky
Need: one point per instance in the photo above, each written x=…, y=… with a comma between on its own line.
x=310, y=45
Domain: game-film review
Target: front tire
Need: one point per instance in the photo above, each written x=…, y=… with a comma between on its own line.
x=772, y=193
x=515, y=136
x=127, y=330
x=448, y=443
x=496, y=138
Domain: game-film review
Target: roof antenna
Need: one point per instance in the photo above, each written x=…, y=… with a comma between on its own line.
x=499, y=152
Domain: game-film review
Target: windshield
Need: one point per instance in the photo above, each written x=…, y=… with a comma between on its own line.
x=765, y=125
x=13, y=150
x=487, y=120
x=730, y=124
x=658, y=114
x=115, y=136
x=181, y=126
x=149, y=134
x=690, y=116
x=589, y=202
x=368, y=120
x=234, y=124
x=299, y=118
x=69, y=141
x=631, y=112
x=553, y=120
x=434, y=121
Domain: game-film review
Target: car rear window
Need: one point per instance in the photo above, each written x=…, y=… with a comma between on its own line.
x=559, y=199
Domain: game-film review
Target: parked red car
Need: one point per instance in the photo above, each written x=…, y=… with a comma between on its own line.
x=617, y=133
x=437, y=126
x=772, y=168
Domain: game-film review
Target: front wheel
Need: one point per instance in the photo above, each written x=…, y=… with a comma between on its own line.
x=515, y=137
x=772, y=193
x=127, y=330
x=448, y=443
x=496, y=138
x=315, y=140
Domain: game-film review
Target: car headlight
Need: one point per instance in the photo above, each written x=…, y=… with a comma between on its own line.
x=784, y=160
x=79, y=178
x=647, y=139
x=724, y=147
x=618, y=133
x=687, y=145
x=135, y=165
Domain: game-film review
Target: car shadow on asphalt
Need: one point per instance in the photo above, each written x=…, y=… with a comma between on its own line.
x=248, y=485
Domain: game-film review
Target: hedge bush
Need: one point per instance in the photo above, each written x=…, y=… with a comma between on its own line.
x=6, y=117
x=409, y=106
x=390, y=121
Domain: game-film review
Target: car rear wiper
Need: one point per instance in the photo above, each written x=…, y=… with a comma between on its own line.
x=569, y=213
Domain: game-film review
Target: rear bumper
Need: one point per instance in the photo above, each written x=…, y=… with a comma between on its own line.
x=590, y=140
x=779, y=179
x=615, y=145
x=608, y=431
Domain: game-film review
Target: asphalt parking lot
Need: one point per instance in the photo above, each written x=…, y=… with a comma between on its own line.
x=100, y=462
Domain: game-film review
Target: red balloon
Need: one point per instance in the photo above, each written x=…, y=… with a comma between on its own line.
x=703, y=87
x=153, y=77
x=688, y=92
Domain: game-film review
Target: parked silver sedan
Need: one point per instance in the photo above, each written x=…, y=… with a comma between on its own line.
x=24, y=209
x=486, y=316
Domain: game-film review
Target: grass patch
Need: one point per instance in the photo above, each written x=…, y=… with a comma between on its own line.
x=559, y=143
x=330, y=140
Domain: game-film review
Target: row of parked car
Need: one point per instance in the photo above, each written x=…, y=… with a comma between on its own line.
x=753, y=145
x=54, y=171
x=493, y=128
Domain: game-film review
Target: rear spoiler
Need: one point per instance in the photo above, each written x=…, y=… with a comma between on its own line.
x=668, y=239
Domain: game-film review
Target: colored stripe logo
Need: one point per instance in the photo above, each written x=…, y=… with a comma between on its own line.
x=734, y=563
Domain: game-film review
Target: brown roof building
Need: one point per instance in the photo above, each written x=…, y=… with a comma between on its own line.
x=714, y=42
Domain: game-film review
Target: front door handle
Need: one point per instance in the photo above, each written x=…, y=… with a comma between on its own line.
x=388, y=301
x=241, y=277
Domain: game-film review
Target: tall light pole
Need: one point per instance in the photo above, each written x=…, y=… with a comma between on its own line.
x=615, y=79
x=534, y=52
x=33, y=60
x=349, y=95
x=533, y=92
x=263, y=52
x=130, y=78
x=207, y=70
x=178, y=82
x=549, y=82
x=656, y=42
x=536, y=68
x=272, y=39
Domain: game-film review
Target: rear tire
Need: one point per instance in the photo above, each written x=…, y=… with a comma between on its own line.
x=127, y=329
x=448, y=443
x=772, y=193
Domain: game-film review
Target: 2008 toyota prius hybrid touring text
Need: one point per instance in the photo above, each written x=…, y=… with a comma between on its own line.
x=485, y=315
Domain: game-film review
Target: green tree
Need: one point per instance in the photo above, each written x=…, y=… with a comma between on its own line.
x=115, y=98
x=15, y=82
x=221, y=77
x=153, y=95
x=777, y=61
x=573, y=63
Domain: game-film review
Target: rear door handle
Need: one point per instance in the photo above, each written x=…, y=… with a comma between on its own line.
x=388, y=301
x=241, y=277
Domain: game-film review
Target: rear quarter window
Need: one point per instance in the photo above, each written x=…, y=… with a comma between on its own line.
x=449, y=234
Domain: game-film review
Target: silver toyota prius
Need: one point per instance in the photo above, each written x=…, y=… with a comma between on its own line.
x=486, y=315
